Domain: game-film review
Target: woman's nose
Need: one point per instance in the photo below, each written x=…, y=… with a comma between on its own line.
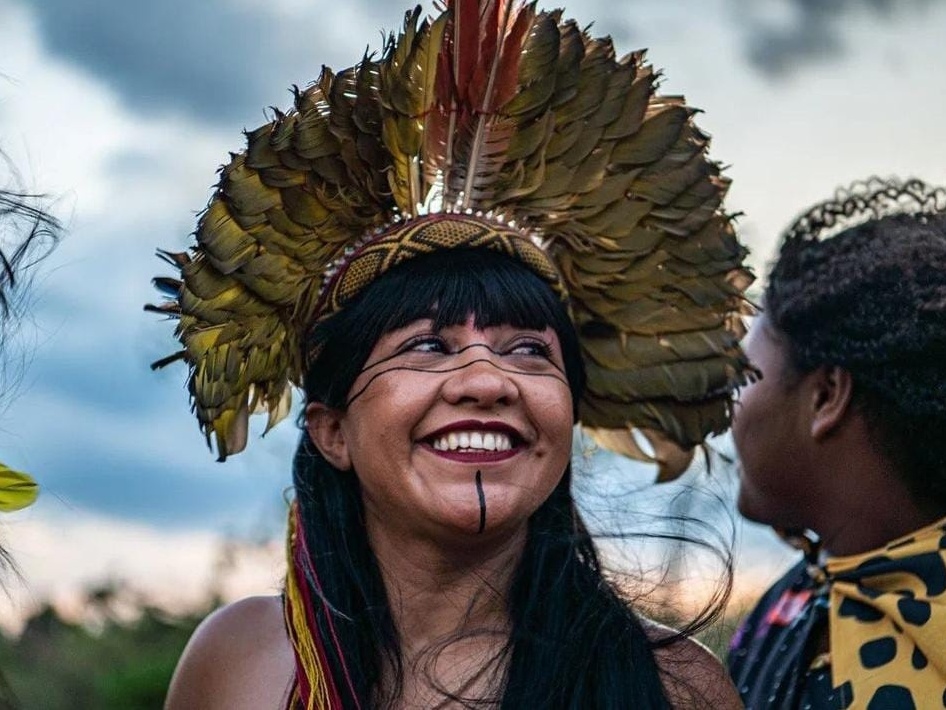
x=480, y=379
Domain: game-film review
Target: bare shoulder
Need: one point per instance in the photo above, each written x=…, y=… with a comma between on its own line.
x=239, y=657
x=692, y=676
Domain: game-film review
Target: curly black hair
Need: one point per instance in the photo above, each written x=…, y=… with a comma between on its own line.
x=860, y=282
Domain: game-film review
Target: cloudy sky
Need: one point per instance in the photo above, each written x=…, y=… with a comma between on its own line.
x=123, y=110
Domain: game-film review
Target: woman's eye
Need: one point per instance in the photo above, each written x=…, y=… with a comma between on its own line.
x=426, y=344
x=535, y=348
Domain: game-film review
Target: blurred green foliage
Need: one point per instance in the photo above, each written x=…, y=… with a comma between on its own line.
x=111, y=664
x=119, y=655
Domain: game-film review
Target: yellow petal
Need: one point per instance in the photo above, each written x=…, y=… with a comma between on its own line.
x=17, y=490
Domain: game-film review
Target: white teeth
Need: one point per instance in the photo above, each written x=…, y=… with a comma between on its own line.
x=473, y=441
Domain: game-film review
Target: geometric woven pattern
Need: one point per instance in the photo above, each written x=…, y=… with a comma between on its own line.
x=424, y=235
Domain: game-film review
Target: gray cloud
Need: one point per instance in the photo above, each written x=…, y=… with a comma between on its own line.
x=113, y=438
x=200, y=57
x=224, y=61
x=216, y=60
x=810, y=32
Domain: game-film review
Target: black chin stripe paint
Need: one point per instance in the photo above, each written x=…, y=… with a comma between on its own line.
x=482, y=497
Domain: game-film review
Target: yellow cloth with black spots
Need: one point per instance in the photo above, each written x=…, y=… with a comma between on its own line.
x=887, y=623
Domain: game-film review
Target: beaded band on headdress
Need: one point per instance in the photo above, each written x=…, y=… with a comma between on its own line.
x=493, y=125
x=345, y=278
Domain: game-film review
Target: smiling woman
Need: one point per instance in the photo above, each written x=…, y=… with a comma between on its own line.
x=462, y=249
x=457, y=365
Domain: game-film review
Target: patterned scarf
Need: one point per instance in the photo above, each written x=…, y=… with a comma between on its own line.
x=887, y=622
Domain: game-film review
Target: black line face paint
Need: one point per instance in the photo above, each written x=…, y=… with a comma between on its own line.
x=376, y=363
x=559, y=375
x=482, y=496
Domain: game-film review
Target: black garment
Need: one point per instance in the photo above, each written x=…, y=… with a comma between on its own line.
x=771, y=653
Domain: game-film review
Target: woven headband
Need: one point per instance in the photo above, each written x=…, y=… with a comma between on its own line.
x=424, y=235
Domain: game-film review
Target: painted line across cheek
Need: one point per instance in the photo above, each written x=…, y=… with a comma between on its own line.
x=432, y=371
x=482, y=496
x=561, y=377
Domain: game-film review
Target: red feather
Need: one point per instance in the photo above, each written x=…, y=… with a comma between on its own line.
x=506, y=81
x=466, y=44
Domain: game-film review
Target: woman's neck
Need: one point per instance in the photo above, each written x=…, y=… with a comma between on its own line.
x=438, y=591
x=449, y=605
x=870, y=507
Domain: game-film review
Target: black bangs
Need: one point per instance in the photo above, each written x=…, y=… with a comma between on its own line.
x=447, y=286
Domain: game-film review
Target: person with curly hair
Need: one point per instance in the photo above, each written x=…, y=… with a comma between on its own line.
x=842, y=443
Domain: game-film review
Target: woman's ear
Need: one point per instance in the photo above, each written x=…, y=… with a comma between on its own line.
x=832, y=391
x=324, y=426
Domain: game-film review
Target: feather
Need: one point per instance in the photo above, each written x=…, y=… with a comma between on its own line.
x=671, y=458
x=408, y=82
x=167, y=286
x=481, y=134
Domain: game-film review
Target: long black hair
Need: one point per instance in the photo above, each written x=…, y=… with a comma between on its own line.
x=574, y=641
x=28, y=233
x=872, y=300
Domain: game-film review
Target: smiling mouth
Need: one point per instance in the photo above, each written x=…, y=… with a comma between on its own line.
x=470, y=441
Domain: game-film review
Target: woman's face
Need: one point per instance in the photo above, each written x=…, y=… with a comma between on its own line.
x=461, y=431
x=770, y=432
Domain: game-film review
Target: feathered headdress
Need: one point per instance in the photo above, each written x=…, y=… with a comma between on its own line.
x=495, y=125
